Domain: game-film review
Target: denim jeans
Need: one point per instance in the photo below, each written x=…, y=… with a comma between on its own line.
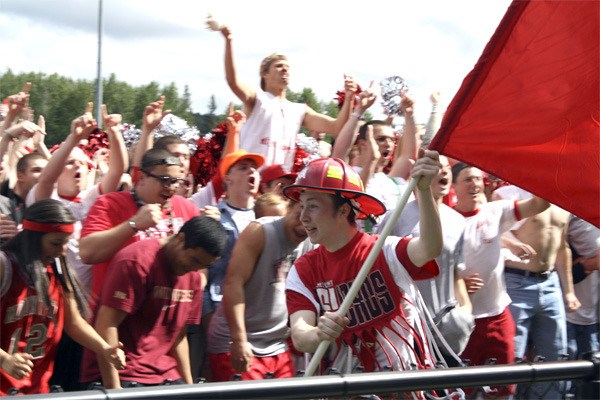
x=582, y=339
x=538, y=310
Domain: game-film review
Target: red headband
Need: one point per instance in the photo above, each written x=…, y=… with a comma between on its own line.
x=51, y=227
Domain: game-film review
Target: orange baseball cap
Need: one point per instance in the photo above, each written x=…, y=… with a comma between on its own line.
x=231, y=158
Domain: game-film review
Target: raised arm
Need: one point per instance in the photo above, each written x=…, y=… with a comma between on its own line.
x=81, y=127
x=369, y=156
x=118, y=153
x=246, y=252
x=245, y=93
x=16, y=105
x=347, y=135
x=153, y=114
x=314, y=121
x=435, y=120
x=407, y=155
x=429, y=244
x=235, y=120
x=39, y=138
x=13, y=141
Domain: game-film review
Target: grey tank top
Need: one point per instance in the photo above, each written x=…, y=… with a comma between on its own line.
x=266, y=314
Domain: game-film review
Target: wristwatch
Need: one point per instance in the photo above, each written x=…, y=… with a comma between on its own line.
x=132, y=225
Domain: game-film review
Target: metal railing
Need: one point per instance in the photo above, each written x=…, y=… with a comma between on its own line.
x=587, y=372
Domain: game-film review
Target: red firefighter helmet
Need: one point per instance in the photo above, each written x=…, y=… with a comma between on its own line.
x=332, y=175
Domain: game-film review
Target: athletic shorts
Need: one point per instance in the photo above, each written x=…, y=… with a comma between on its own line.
x=277, y=366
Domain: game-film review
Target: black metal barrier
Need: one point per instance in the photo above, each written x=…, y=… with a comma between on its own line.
x=587, y=372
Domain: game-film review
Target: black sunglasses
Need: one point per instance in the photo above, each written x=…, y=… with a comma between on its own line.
x=167, y=181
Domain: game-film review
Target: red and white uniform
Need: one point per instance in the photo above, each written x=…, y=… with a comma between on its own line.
x=28, y=326
x=384, y=329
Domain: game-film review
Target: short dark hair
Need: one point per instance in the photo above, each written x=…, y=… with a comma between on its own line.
x=156, y=157
x=164, y=141
x=205, y=232
x=456, y=168
x=362, y=131
x=339, y=201
x=24, y=161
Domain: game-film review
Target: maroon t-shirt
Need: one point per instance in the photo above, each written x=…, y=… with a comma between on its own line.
x=159, y=303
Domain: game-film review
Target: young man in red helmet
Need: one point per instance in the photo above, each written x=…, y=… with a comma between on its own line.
x=380, y=331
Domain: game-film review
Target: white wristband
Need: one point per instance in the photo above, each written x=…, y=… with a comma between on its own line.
x=357, y=115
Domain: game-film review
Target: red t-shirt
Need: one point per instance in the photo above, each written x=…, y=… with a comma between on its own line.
x=159, y=303
x=30, y=327
x=114, y=208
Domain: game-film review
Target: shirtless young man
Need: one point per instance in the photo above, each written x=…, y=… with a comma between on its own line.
x=538, y=302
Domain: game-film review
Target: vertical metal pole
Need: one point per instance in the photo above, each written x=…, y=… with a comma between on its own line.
x=99, y=73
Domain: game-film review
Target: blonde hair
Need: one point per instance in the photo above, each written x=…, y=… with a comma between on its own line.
x=266, y=201
x=266, y=64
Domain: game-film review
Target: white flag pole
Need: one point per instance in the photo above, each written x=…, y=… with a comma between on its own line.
x=362, y=274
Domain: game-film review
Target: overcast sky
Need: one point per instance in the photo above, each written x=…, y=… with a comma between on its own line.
x=432, y=44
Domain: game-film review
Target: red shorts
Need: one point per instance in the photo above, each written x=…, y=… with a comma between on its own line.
x=493, y=337
x=280, y=365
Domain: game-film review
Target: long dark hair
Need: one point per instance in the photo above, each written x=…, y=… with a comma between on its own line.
x=26, y=249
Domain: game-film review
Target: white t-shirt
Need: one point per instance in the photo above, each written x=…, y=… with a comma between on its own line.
x=482, y=255
x=386, y=190
x=205, y=196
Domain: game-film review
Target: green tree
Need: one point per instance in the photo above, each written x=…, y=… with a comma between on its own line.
x=61, y=99
x=119, y=97
x=308, y=97
x=144, y=95
x=212, y=105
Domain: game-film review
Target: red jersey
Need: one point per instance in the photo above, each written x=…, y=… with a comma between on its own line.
x=114, y=208
x=28, y=326
x=320, y=280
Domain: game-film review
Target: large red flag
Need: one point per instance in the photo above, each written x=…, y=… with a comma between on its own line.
x=529, y=111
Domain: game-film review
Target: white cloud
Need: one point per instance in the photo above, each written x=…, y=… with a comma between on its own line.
x=432, y=44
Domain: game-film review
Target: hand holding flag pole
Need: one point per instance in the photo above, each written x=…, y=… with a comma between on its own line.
x=363, y=272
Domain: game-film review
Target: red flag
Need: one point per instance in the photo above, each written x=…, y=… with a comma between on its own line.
x=529, y=111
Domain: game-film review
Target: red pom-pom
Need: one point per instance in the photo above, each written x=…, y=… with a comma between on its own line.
x=341, y=96
x=96, y=140
x=204, y=162
x=300, y=160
